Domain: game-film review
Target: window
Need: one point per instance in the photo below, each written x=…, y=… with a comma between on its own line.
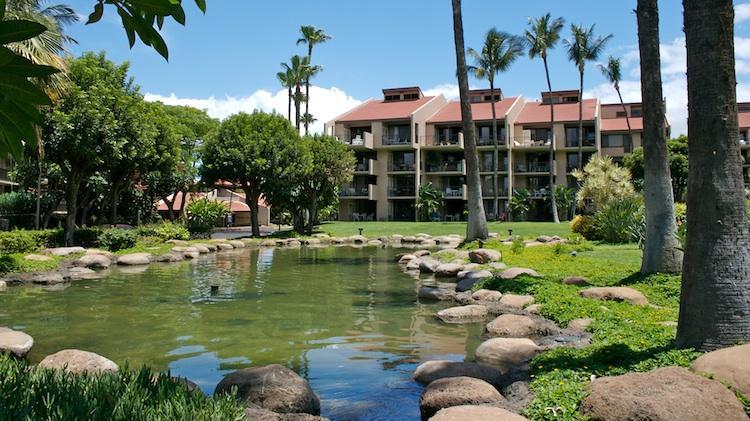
x=615, y=140
x=569, y=99
x=392, y=97
x=411, y=96
x=636, y=112
x=621, y=114
x=540, y=134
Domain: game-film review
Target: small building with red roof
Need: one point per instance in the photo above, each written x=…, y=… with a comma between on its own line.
x=234, y=201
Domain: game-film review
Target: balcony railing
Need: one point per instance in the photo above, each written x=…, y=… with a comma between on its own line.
x=455, y=193
x=490, y=167
x=357, y=140
x=527, y=142
x=455, y=140
x=532, y=167
x=364, y=166
x=488, y=141
x=396, y=140
x=488, y=191
x=401, y=191
x=587, y=142
x=401, y=166
x=356, y=191
x=446, y=166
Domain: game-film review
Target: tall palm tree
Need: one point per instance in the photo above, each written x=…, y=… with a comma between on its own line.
x=582, y=47
x=715, y=296
x=476, y=227
x=299, y=70
x=613, y=74
x=311, y=36
x=542, y=36
x=308, y=119
x=286, y=78
x=499, y=51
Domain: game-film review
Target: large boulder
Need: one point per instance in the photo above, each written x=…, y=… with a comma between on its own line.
x=728, y=365
x=487, y=295
x=476, y=413
x=237, y=244
x=518, y=326
x=3, y=286
x=483, y=256
x=40, y=278
x=447, y=270
x=413, y=264
x=358, y=239
x=516, y=301
x=81, y=273
x=224, y=246
x=506, y=353
x=170, y=257
x=670, y=393
x=439, y=294
x=513, y=273
x=207, y=248
x=421, y=253
x=428, y=265
x=463, y=314
x=93, y=261
x=618, y=294
x=76, y=361
x=455, y=391
x=273, y=387
x=430, y=371
x=260, y=414
x=406, y=258
x=134, y=259
x=580, y=324
x=65, y=251
x=15, y=342
x=471, y=278
x=576, y=280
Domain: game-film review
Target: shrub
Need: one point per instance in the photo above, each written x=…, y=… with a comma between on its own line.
x=19, y=241
x=19, y=208
x=602, y=182
x=204, y=214
x=165, y=231
x=621, y=221
x=586, y=226
x=518, y=246
x=115, y=239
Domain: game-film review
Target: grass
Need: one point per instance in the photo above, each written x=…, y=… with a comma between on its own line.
x=377, y=229
x=15, y=263
x=625, y=337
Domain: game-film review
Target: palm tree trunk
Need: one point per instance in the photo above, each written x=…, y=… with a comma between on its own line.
x=476, y=228
x=297, y=99
x=627, y=117
x=715, y=297
x=496, y=155
x=307, y=88
x=40, y=166
x=289, y=104
x=660, y=252
x=555, y=216
x=580, y=122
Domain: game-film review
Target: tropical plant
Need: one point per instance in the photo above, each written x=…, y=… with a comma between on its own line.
x=164, y=231
x=517, y=245
x=311, y=36
x=586, y=226
x=602, y=181
x=620, y=221
x=715, y=295
x=498, y=53
x=204, y=215
x=298, y=70
x=429, y=200
x=286, y=78
x=476, y=227
x=583, y=47
x=564, y=198
x=520, y=202
x=542, y=36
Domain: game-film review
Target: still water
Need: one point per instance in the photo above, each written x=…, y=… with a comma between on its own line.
x=346, y=319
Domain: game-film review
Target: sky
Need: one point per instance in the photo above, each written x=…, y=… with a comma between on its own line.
x=226, y=60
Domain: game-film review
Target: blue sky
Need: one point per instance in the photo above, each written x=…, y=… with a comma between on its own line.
x=226, y=60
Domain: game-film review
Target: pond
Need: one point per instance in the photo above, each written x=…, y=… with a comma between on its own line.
x=347, y=319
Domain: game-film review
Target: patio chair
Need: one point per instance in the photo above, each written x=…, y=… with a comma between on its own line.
x=355, y=217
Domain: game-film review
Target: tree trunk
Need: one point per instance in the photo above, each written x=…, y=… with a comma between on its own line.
x=476, y=228
x=715, y=297
x=170, y=206
x=555, y=216
x=660, y=251
x=113, y=201
x=251, y=198
x=183, y=203
x=496, y=155
x=580, y=121
x=313, y=210
x=71, y=199
x=629, y=147
x=289, y=104
x=297, y=99
x=307, y=88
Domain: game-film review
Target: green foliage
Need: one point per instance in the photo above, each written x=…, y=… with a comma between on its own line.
x=565, y=197
x=129, y=394
x=602, y=181
x=115, y=239
x=19, y=241
x=429, y=200
x=519, y=203
x=517, y=246
x=586, y=226
x=621, y=221
x=204, y=215
x=678, y=166
x=165, y=231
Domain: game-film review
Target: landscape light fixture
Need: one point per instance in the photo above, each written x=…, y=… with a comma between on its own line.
x=360, y=230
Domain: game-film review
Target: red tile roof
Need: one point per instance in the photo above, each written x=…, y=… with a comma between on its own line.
x=620, y=124
x=237, y=204
x=384, y=110
x=744, y=120
x=480, y=111
x=536, y=112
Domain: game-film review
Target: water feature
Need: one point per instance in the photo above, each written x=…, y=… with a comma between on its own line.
x=347, y=319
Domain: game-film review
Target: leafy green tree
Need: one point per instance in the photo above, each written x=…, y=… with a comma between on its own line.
x=250, y=150
x=678, y=166
x=311, y=36
x=429, y=200
x=602, y=182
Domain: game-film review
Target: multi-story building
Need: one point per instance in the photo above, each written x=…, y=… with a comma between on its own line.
x=743, y=109
x=407, y=139
x=6, y=185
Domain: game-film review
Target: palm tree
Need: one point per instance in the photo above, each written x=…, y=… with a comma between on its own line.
x=298, y=71
x=286, y=78
x=583, y=47
x=311, y=36
x=308, y=120
x=715, y=296
x=542, y=36
x=499, y=51
x=661, y=248
x=476, y=227
x=613, y=74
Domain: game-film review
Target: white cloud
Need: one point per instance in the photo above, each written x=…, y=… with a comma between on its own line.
x=741, y=12
x=325, y=103
x=448, y=90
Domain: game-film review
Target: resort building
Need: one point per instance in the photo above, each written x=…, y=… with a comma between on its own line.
x=406, y=139
x=743, y=109
x=6, y=185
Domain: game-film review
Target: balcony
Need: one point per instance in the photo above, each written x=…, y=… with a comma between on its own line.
x=401, y=166
x=489, y=192
x=396, y=140
x=528, y=142
x=490, y=167
x=488, y=141
x=588, y=142
x=402, y=191
x=455, y=193
x=532, y=167
x=455, y=141
x=357, y=192
x=446, y=167
x=365, y=167
x=360, y=141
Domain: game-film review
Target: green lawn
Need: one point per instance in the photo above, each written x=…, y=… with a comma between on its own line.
x=376, y=229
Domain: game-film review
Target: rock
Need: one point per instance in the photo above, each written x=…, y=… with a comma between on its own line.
x=273, y=387
x=17, y=343
x=514, y=273
x=76, y=361
x=312, y=241
x=177, y=242
x=321, y=236
x=3, y=286
x=618, y=294
x=260, y=414
x=409, y=239
x=517, y=301
x=406, y=258
x=397, y=237
x=413, y=264
x=268, y=243
x=294, y=243
x=358, y=239
x=430, y=371
x=201, y=248
x=463, y=314
x=544, y=239
x=483, y=256
x=518, y=326
x=94, y=261
x=65, y=251
x=446, y=270
x=464, y=298
x=428, y=265
x=37, y=258
x=670, y=393
x=135, y=259
x=728, y=365
x=81, y=273
x=498, y=266
x=476, y=413
x=210, y=247
x=440, y=294
x=191, y=254
x=467, y=284
x=506, y=353
x=421, y=253
x=487, y=295
x=170, y=257
x=337, y=240
x=100, y=252
x=237, y=244
x=475, y=274
x=534, y=308
x=454, y=391
x=40, y=278
x=576, y=280
x=224, y=246
x=376, y=243
x=471, y=266
x=580, y=324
